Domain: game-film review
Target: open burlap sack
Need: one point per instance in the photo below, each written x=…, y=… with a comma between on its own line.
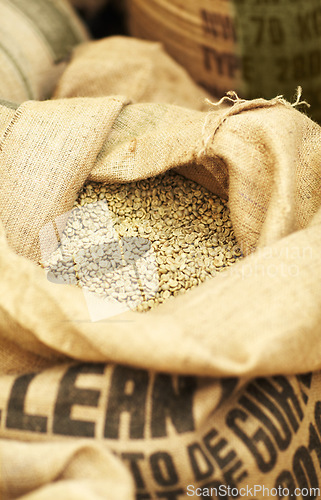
x=257, y=48
x=36, y=39
x=147, y=386
x=264, y=154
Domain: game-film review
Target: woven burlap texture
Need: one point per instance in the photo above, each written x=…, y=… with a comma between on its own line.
x=105, y=67
x=65, y=131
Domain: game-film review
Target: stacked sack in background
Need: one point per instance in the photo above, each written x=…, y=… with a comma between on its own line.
x=258, y=49
x=217, y=388
x=36, y=39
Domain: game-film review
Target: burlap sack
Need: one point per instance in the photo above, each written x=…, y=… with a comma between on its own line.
x=180, y=437
x=259, y=49
x=138, y=69
x=278, y=211
x=147, y=386
x=36, y=38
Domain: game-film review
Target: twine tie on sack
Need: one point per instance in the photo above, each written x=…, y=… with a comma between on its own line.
x=237, y=105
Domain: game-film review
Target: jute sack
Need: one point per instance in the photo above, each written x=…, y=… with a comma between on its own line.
x=147, y=386
x=139, y=69
x=179, y=436
x=258, y=49
x=36, y=38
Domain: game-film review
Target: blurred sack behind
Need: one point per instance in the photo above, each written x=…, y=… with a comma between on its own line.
x=36, y=38
x=258, y=49
x=89, y=7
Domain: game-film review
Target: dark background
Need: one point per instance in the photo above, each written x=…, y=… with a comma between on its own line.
x=110, y=20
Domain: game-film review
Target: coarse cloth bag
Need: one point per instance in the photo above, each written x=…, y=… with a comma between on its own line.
x=105, y=67
x=219, y=388
x=257, y=48
x=36, y=39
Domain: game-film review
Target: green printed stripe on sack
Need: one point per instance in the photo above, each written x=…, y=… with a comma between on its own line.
x=8, y=104
x=53, y=24
x=19, y=70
